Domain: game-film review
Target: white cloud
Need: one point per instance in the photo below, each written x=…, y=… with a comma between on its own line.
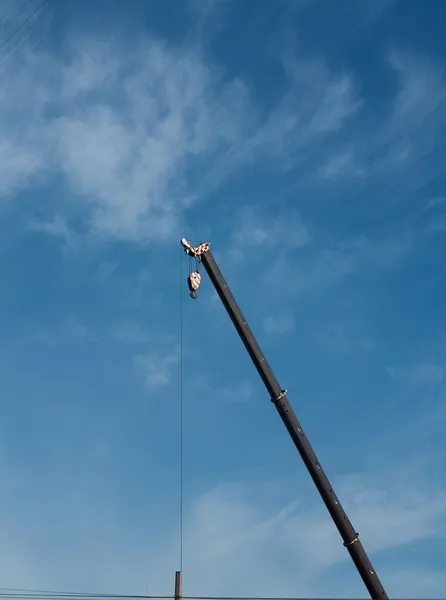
x=421, y=93
x=371, y=10
x=417, y=113
x=239, y=539
x=240, y=391
x=257, y=229
x=418, y=374
x=57, y=226
x=333, y=262
x=280, y=323
x=69, y=331
x=132, y=332
x=341, y=165
x=391, y=147
x=395, y=514
x=157, y=368
x=258, y=233
x=208, y=16
x=138, y=133
x=416, y=583
x=122, y=127
x=338, y=342
x=245, y=535
x=16, y=165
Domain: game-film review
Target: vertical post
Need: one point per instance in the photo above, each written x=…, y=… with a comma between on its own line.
x=178, y=585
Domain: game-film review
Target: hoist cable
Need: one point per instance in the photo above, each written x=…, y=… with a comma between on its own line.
x=181, y=412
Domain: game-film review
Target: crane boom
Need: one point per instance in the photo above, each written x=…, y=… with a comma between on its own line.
x=279, y=399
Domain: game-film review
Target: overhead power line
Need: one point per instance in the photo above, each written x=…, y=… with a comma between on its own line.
x=52, y=595
x=11, y=14
x=24, y=23
x=12, y=44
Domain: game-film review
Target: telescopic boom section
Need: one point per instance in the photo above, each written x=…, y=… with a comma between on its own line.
x=278, y=397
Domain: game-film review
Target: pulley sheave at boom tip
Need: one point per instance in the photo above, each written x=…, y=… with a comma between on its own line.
x=194, y=277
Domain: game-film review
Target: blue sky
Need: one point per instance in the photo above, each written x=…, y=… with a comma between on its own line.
x=305, y=140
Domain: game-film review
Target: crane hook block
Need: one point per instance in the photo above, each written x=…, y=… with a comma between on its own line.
x=193, y=281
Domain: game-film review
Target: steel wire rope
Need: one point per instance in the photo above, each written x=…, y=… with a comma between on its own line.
x=181, y=507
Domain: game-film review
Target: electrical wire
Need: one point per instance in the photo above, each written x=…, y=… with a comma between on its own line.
x=281, y=598
x=65, y=595
x=28, y=18
x=14, y=12
x=51, y=595
x=47, y=594
x=14, y=47
x=24, y=594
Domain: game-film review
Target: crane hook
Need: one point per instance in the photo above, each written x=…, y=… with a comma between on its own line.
x=193, y=282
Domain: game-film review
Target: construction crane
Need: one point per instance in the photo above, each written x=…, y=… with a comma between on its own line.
x=202, y=255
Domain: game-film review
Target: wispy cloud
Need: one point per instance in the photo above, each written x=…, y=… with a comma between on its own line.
x=234, y=531
x=266, y=528
x=417, y=112
x=56, y=226
x=388, y=516
x=335, y=340
x=271, y=230
x=280, y=323
x=416, y=583
x=395, y=514
x=341, y=165
x=125, y=161
x=240, y=391
x=258, y=233
x=209, y=16
x=136, y=135
x=139, y=133
x=70, y=331
x=371, y=10
x=333, y=262
x=418, y=374
x=132, y=332
x=157, y=368
x=390, y=147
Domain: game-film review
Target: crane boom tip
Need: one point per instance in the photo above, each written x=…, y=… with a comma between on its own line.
x=194, y=250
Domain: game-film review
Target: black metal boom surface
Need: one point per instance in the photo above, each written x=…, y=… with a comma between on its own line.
x=280, y=401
